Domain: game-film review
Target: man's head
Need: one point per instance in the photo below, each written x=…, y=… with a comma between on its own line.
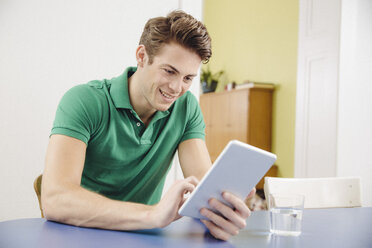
x=168, y=59
x=177, y=27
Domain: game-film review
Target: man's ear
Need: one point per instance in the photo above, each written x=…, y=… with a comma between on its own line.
x=141, y=56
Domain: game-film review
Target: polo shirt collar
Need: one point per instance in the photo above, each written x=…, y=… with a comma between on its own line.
x=159, y=115
x=119, y=89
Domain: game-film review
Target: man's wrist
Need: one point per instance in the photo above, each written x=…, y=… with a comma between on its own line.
x=152, y=217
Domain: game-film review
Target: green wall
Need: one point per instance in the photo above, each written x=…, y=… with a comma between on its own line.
x=257, y=40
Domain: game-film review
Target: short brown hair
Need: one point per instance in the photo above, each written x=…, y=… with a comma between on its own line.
x=177, y=27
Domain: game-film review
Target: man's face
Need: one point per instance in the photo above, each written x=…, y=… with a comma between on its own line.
x=169, y=76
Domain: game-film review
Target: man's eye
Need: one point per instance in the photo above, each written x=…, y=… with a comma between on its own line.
x=188, y=79
x=169, y=71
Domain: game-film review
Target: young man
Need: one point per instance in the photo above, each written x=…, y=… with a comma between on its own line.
x=113, y=140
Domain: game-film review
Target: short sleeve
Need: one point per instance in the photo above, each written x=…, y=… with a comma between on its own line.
x=195, y=126
x=77, y=113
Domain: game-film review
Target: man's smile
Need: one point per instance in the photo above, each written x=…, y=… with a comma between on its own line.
x=167, y=96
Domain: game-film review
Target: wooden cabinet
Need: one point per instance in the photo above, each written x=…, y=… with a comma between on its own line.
x=243, y=114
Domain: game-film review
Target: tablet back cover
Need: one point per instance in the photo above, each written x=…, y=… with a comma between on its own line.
x=237, y=170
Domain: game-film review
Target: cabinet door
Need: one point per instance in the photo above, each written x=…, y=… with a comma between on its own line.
x=260, y=118
x=226, y=118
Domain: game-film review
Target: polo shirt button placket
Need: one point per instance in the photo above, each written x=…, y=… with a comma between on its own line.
x=138, y=124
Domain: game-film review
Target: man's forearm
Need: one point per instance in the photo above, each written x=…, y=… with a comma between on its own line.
x=77, y=206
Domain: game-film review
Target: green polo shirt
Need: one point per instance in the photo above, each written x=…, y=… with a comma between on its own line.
x=125, y=160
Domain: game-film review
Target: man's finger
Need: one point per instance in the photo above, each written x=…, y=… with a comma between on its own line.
x=193, y=180
x=238, y=204
x=219, y=221
x=228, y=213
x=215, y=230
x=182, y=186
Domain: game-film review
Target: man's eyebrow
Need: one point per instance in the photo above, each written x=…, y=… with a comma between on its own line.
x=175, y=69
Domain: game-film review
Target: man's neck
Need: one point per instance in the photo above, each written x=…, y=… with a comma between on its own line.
x=139, y=103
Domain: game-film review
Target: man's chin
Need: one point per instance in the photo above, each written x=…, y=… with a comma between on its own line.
x=164, y=107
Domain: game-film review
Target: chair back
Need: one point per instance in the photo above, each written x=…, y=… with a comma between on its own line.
x=37, y=188
x=319, y=192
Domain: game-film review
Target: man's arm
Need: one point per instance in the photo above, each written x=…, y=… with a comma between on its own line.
x=194, y=159
x=64, y=200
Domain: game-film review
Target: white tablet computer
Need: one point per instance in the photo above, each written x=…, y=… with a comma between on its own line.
x=237, y=170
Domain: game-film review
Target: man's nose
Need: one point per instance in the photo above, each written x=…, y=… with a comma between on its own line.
x=176, y=86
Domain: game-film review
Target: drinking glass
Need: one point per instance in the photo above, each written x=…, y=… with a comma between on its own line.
x=286, y=213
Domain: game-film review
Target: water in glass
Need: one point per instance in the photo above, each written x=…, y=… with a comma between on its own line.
x=286, y=221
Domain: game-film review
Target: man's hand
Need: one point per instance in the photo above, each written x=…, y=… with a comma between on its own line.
x=233, y=220
x=166, y=211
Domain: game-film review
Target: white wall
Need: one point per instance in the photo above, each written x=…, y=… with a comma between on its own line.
x=46, y=47
x=355, y=95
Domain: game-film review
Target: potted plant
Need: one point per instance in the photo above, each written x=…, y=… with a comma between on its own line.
x=209, y=80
